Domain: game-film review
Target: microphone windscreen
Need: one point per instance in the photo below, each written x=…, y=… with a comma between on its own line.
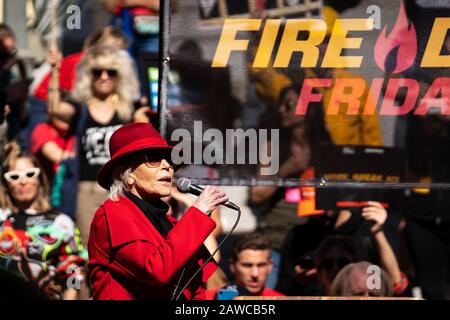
x=183, y=185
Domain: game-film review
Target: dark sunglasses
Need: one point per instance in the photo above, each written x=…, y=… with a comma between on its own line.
x=154, y=159
x=329, y=263
x=97, y=73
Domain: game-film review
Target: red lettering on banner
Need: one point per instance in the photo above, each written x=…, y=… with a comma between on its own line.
x=351, y=90
x=306, y=94
x=389, y=108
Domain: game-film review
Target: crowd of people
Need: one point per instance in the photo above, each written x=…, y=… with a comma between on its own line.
x=69, y=150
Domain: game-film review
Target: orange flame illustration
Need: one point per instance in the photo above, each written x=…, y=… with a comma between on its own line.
x=402, y=37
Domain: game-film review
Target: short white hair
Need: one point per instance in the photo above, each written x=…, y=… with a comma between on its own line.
x=120, y=184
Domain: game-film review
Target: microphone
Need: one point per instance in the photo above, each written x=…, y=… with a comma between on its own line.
x=184, y=185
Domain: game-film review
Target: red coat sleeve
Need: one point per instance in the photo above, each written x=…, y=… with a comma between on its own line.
x=156, y=263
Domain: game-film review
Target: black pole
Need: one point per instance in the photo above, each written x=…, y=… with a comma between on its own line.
x=164, y=31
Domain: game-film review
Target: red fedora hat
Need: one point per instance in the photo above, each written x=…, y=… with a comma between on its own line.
x=127, y=140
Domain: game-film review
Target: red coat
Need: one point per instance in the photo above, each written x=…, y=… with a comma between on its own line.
x=129, y=259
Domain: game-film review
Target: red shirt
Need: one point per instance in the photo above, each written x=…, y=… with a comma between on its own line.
x=67, y=76
x=211, y=294
x=44, y=133
x=136, y=11
x=130, y=260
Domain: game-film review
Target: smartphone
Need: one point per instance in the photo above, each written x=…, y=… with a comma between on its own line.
x=306, y=262
x=227, y=293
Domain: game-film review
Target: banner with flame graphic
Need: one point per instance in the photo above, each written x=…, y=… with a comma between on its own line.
x=322, y=73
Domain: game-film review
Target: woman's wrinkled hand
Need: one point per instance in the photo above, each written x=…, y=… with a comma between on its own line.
x=209, y=199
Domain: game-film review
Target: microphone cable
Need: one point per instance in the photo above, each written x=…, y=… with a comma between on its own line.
x=207, y=260
x=175, y=291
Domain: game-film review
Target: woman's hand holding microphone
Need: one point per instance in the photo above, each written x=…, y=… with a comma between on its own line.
x=209, y=199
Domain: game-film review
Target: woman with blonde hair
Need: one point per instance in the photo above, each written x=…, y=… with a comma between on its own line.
x=39, y=243
x=108, y=75
x=107, y=86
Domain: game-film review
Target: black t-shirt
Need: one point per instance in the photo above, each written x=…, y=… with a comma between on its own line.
x=94, y=146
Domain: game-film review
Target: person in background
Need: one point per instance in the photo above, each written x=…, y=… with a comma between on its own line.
x=427, y=214
x=370, y=227
x=343, y=242
x=354, y=280
x=39, y=243
x=250, y=264
x=298, y=275
x=358, y=129
x=4, y=111
x=109, y=36
x=336, y=251
x=300, y=135
x=54, y=140
x=13, y=84
x=333, y=253
x=139, y=20
x=53, y=143
x=106, y=86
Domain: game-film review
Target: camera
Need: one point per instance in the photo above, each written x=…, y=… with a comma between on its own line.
x=306, y=262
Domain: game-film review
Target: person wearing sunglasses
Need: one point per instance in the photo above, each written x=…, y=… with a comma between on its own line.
x=38, y=243
x=106, y=87
x=337, y=251
x=137, y=251
x=299, y=134
x=334, y=253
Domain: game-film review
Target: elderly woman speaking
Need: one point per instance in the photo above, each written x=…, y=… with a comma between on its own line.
x=136, y=250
